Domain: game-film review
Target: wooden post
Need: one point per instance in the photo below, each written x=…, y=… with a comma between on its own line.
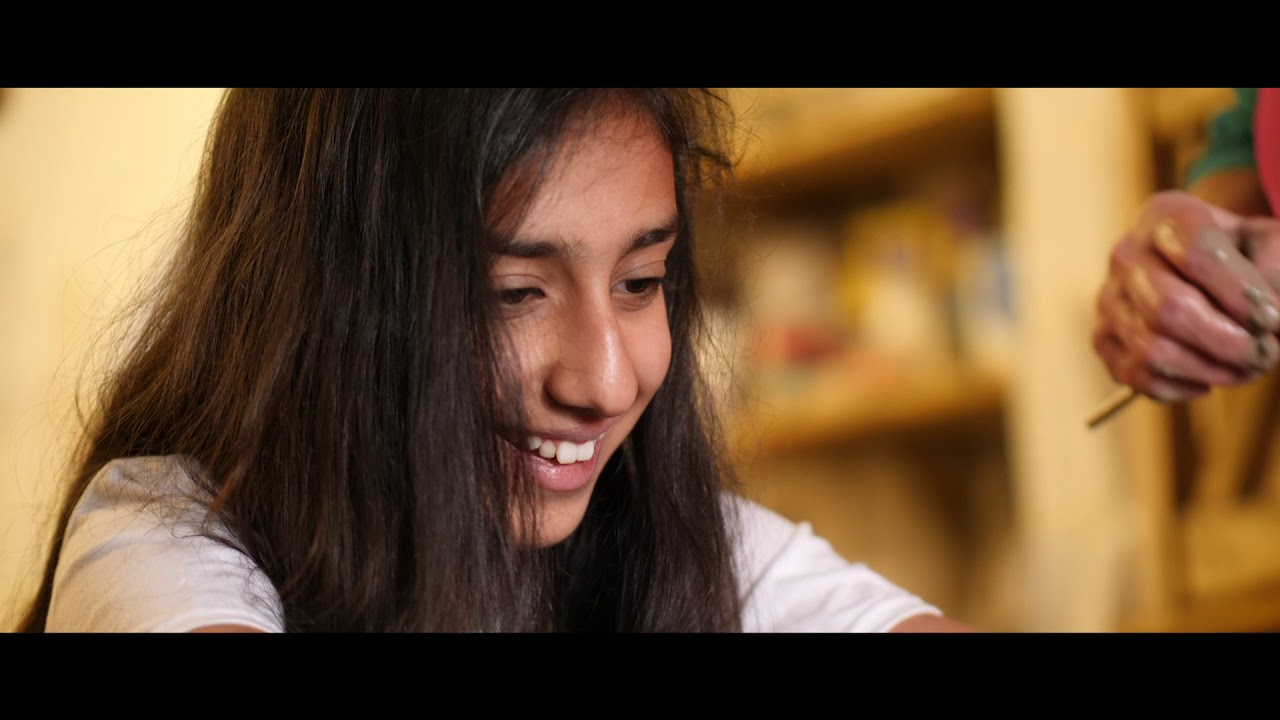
x=1076, y=164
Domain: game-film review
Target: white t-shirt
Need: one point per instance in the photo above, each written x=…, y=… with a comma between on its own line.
x=135, y=559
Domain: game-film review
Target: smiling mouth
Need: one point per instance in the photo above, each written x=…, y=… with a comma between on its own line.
x=563, y=452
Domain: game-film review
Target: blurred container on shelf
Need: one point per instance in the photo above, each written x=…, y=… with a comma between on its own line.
x=793, y=317
x=983, y=299
x=894, y=283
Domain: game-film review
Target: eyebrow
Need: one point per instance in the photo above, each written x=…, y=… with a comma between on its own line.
x=558, y=247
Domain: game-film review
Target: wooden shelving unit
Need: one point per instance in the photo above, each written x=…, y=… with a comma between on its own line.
x=831, y=407
x=812, y=144
x=1090, y=512
x=829, y=440
x=808, y=150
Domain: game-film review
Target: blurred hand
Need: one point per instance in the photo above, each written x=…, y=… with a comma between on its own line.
x=1190, y=299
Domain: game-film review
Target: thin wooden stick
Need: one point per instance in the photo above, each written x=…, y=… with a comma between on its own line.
x=1117, y=401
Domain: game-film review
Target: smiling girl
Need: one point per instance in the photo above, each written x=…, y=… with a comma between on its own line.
x=426, y=361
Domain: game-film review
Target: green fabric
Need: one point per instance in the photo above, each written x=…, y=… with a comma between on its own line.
x=1230, y=138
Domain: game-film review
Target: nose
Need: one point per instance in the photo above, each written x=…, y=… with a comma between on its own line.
x=593, y=371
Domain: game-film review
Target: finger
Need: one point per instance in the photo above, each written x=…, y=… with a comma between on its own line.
x=1210, y=258
x=1112, y=314
x=1260, y=242
x=1116, y=320
x=1131, y=370
x=1166, y=357
x=1169, y=306
x=1121, y=339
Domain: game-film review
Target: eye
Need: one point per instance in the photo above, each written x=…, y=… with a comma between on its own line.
x=639, y=293
x=515, y=296
x=641, y=286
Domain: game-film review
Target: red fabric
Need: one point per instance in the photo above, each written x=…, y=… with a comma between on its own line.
x=1266, y=143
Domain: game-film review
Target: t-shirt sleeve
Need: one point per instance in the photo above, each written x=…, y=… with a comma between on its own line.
x=136, y=558
x=1230, y=138
x=794, y=581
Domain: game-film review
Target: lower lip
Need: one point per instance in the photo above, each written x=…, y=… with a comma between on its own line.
x=555, y=477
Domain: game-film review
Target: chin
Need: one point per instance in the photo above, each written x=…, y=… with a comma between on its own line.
x=559, y=517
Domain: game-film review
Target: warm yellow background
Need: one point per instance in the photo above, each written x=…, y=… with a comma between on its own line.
x=90, y=180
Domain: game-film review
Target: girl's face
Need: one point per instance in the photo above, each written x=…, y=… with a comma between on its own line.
x=580, y=288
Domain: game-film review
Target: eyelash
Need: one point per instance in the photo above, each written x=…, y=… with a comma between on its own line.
x=646, y=287
x=517, y=295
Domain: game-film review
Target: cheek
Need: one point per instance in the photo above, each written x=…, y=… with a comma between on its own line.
x=529, y=349
x=651, y=355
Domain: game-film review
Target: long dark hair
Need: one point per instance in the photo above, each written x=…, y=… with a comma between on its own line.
x=325, y=361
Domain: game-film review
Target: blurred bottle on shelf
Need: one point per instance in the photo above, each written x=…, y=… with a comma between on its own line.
x=963, y=192
x=981, y=292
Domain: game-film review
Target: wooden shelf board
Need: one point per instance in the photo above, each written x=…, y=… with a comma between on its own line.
x=826, y=414
x=862, y=132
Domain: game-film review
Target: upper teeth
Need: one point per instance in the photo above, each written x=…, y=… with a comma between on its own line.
x=564, y=452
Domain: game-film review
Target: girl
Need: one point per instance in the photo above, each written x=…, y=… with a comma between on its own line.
x=426, y=361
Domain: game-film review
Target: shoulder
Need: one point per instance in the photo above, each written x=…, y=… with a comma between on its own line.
x=136, y=494
x=142, y=482
x=793, y=580
x=141, y=553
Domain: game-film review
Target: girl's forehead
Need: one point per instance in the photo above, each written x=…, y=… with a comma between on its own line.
x=617, y=169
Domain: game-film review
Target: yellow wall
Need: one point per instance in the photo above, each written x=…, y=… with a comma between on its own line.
x=90, y=182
